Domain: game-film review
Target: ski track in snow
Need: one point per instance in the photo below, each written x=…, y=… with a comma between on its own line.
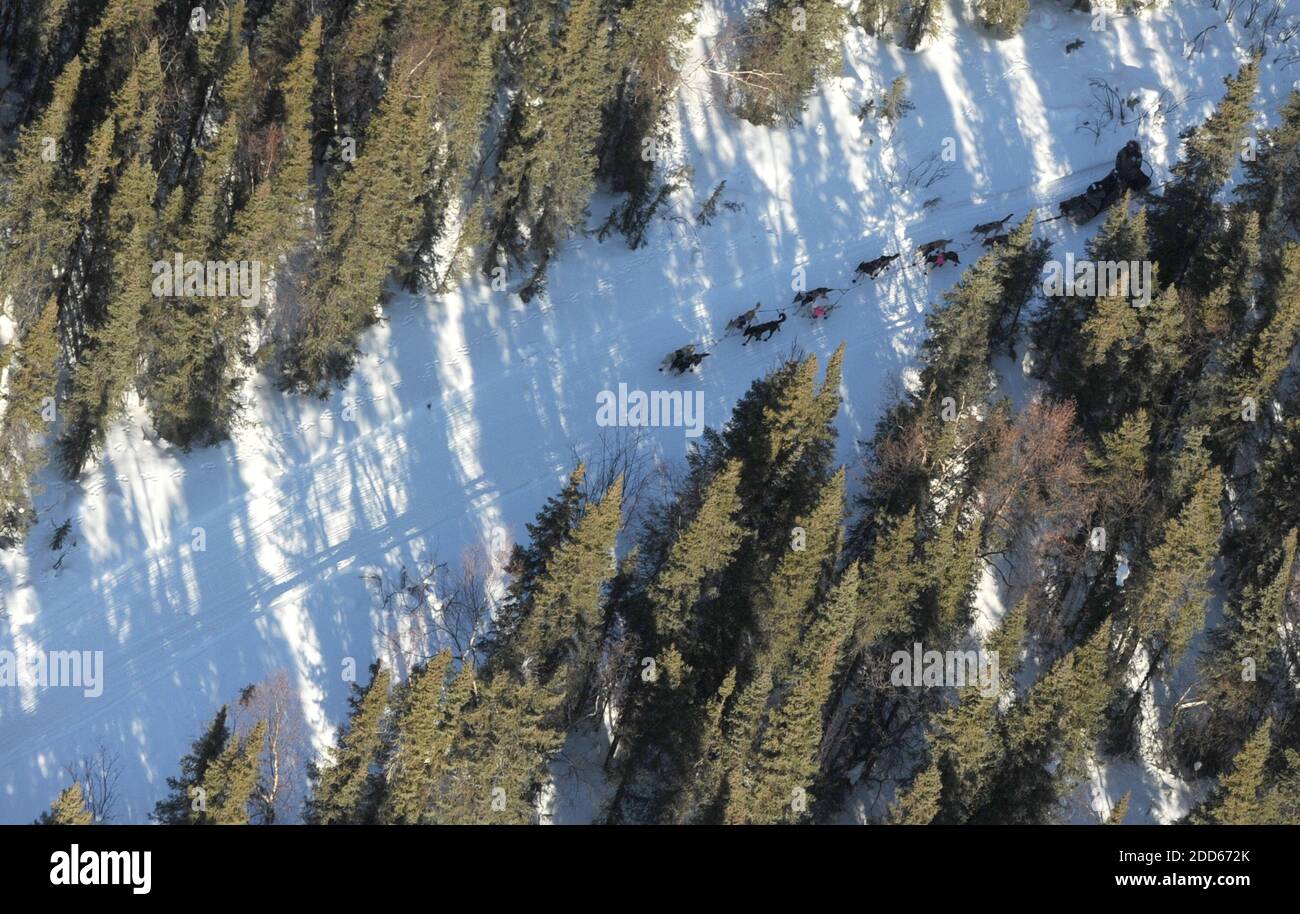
x=468, y=407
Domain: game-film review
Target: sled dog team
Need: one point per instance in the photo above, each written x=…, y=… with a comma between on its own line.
x=817, y=302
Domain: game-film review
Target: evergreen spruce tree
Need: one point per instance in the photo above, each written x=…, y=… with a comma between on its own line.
x=955, y=354
x=969, y=747
x=703, y=549
x=1256, y=620
x=35, y=225
x=279, y=214
x=527, y=563
x=230, y=781
x=661, y=721
x=1241, y=670
x=1085, y=697
x=1166, y=336
x=276, y=37
x=498, y=760
x=953, y=561
x=1079, y=338
x=783, y=605
x=1004, y=16
x=740, y=726
x=95, y=173
x=1172, y=600
x=424, y=733
x=453, y=205
x=1120, y=476
x=35, y=27
x=109, y=369
x=1021, y=259
x=892, y=581
x=68, y=809
x=347, y=789
x=1268, y=188
x=178, y=807
x=1123, y=235
x=700, y=790
x=783, y=432
x=559, y=639
x=921, y=22
x=788, y=48
x=120, y=33
x=541, y=668
x=1110, y=332
x=1006, y=644
x=413, y=159
x=1187, y=207
x=30, y=386
x=215, y=49
x=686, y=739
x=648, y=42
x=547, y=165
x=1282, y=800
x=920, y=803
x=212, y=212
x=194, y=345
x=1119, y=812
x=786, y=762
x=1270, y=355
x=1239, y=259
x=1242, y=799
x=879, y=17
x=1051, y=733
x=360, y=57
x=375, y=216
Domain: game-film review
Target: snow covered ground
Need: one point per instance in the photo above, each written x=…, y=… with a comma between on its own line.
x=466, y=409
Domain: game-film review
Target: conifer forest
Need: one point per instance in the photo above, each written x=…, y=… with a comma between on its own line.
x=700, y=412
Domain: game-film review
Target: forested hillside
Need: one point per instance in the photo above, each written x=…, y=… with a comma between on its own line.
x=212, y=215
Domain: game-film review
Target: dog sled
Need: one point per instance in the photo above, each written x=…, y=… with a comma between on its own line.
x=1130, y=174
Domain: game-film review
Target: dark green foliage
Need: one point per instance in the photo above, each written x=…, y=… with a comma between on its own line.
x=231, y=779
x=785, y=49
x=347, y=788
x=648, y=40
x=28, y=415
x=548, y=162
x=1257, y=791
x=1269, y=188
x=1187, y=207
x=1005, y=17
x=68, y=809
x=425, y=725
x=921, y=22
x=879, y=17
x=180, y=806
x=730, y=641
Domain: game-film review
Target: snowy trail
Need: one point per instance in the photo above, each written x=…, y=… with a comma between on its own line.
x=278, y=584
x=282, y=497
x=468, y=407
x=323, y=471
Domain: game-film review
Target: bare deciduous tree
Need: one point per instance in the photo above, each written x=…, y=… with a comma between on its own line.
x=621, y=452
x=98, y=774
x=436, y=605
x=728, y=48
x=275, y=700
